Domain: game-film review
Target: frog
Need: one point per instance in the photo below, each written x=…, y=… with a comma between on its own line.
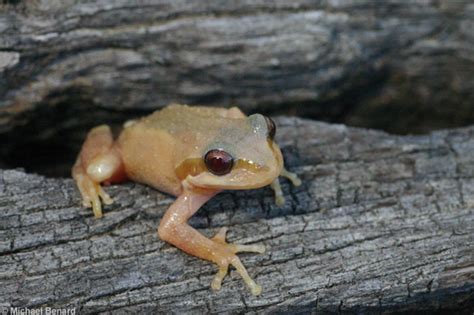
x=192, y=153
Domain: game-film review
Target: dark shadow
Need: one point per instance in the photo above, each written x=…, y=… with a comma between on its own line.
x=47, y=139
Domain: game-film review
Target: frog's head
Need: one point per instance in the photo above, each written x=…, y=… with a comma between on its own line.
x=242, y=155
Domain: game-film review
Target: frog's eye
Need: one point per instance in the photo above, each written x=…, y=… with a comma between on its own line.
x=270, y=127
x=218, y=162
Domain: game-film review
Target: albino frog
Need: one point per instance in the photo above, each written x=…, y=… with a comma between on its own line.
x=192, y=153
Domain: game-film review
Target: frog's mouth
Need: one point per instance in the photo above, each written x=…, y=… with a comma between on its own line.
x=244, y=175
x=237, y=179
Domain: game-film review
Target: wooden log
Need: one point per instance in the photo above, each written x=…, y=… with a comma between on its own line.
x=381, y=224
x=373, y=59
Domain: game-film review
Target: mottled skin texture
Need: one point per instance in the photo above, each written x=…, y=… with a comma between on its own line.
x=165, y=150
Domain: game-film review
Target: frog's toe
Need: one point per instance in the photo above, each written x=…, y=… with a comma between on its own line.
x=295, y=180
x=95, y=193
x=237, y=248
x=233, y=260
x=104, y=196
x=97, y=207
x=254, y=287
x=86, y=201
x=216, y=283
x=279, y=199
x=92, y=194
x=94, y=201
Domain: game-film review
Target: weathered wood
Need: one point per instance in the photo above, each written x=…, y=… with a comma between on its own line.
x=325, y=57
x=382, y=223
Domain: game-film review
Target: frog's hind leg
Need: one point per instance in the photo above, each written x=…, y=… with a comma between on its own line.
x=98, y=162
x=275, y=185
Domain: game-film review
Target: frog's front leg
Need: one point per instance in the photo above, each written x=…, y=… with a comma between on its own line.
x=97, y=162
x=175, y=230
x=275, y=185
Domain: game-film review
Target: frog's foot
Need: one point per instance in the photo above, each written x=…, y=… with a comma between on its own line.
x=98, y=162
x=226, y=256
x=295, y=180
x=91, y=191
x=88, y=181
x=275, y=185
x=279, y=199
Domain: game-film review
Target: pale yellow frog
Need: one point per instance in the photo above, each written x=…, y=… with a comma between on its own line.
x=192, y=153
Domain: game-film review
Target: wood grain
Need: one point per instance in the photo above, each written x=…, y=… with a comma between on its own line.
x=381, y=224
x=372, y=59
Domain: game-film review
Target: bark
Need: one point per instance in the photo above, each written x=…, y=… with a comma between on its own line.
x=328, y=59
x=381, y=224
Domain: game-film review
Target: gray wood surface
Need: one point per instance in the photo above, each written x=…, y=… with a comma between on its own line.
x=382, y=223
x=323, y=57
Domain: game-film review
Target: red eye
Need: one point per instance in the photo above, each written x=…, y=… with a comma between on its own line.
x=218, y=162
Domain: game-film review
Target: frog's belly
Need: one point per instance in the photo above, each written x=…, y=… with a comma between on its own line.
x=148, y=158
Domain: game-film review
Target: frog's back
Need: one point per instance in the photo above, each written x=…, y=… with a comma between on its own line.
x=178, y=119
